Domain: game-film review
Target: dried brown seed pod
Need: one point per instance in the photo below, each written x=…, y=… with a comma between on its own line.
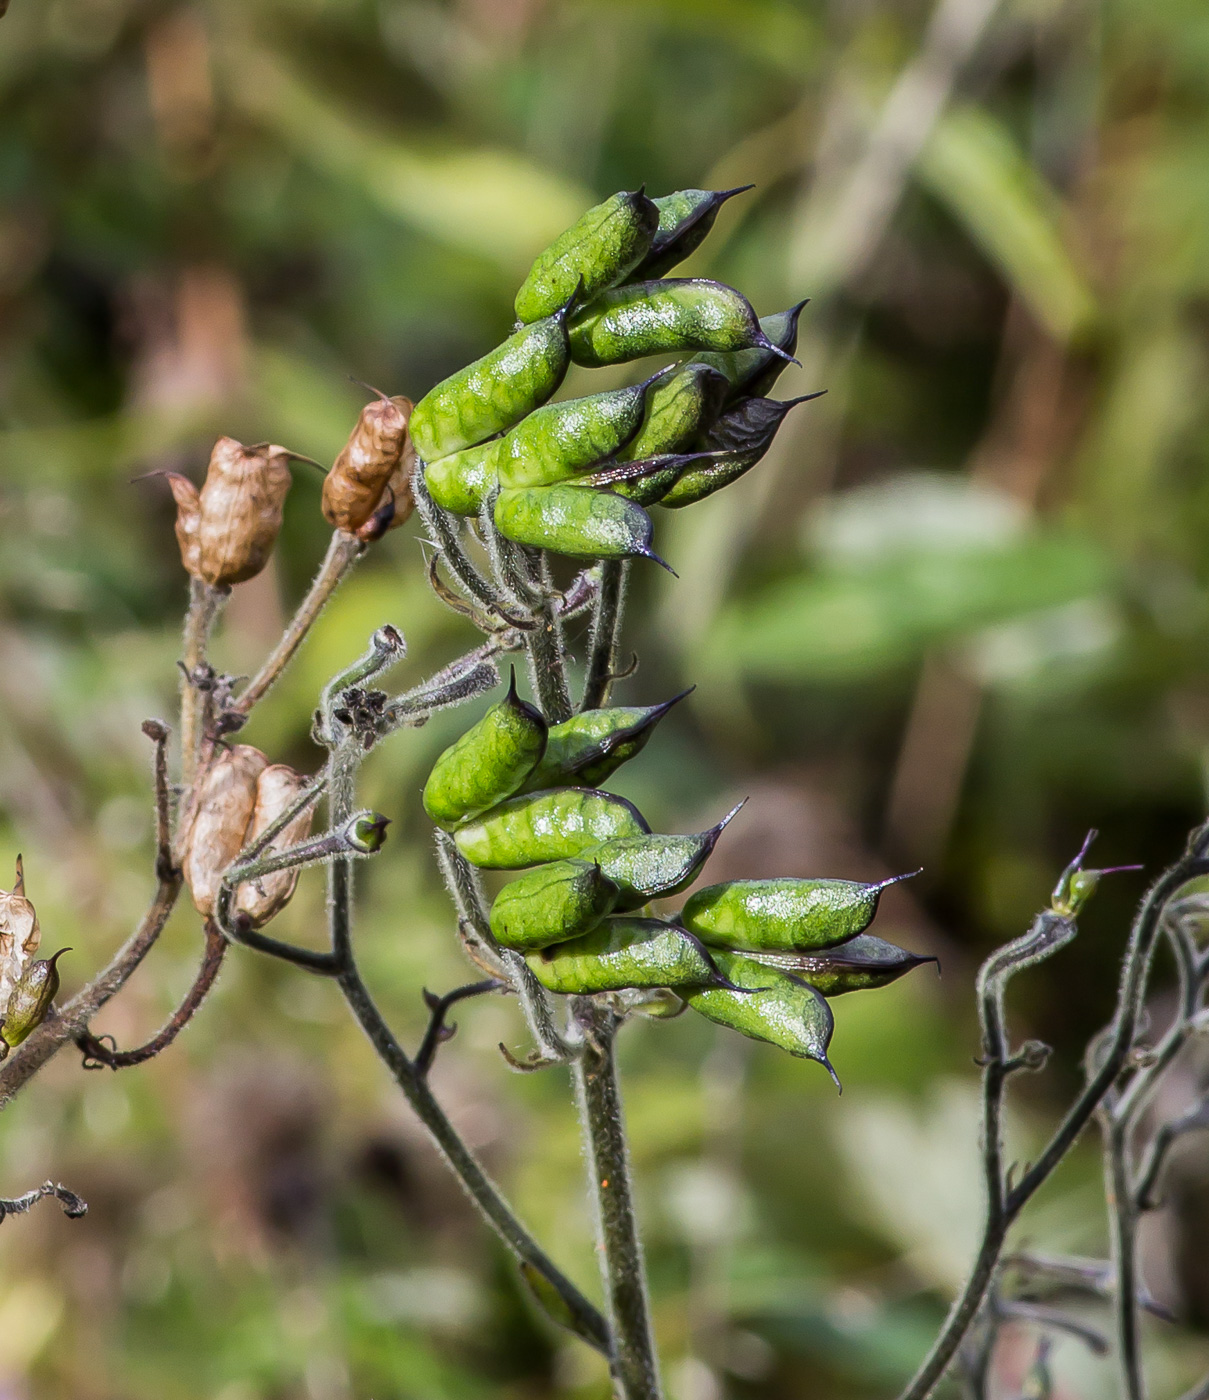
x=276, y=789
x=368, y=490
x=227, y=530
x=223, y=808
x=19, y=934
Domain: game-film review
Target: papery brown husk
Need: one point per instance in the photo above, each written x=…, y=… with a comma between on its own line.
x=373, y=472
x=239, y=512
x=19, y=934
x=223, y=808
x=188, y=521
x=277, y=787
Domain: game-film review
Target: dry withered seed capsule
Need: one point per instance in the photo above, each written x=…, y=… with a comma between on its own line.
x=19, y=934
x=225, y=803
x=227, y=530
x=30, y=1000
x=276, y=789
x=373, y=470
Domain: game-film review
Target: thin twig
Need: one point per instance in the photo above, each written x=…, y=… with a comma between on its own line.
x=158, y=734
x=97, y=1051
x=73, y=1206
x=205, y=604
x=438, y=1031
x=342, y=553
x=606, y=632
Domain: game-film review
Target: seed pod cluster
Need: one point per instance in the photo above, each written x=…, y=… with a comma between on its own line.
x=577, y=477
x=28, y=984
x=238, y=798
x=759, y=956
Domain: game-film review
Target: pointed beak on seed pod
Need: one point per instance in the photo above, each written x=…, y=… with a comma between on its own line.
x=368, y=490
x=227, y=530
x=30, y=1000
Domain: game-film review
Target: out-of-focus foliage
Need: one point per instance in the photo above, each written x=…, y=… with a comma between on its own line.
x=959, y=615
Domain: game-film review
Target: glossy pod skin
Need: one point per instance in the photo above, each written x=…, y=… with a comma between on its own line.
x=494, y=392
x=782, y=916
x=575, y=521
x=587, y=748
x=655, y=867
x=680, y=405
x=754, y=372
x=543, y=826
x=625, y=952
x=561, y=440
x=601, y=248
x=657, y=317
x=775, y=1009
x=685, y=218
x=738, y=440
x=488, y=763
x=860, y=964
x=462, y=481
x=552, y=904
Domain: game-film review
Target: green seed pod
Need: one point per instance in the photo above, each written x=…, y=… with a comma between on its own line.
x=543, y=826
x=862, y=963
x=563, y=439
x=488, y=763
x=463, y=480
x=367, y=834
x=679, y=408
x=685, y=218
x=783, y=916
x=30, y=999
x=755, y=371
x=551, y=904
x=654, y=867
x=589, y=747
x=625, y=952
x=738, y=440
x=600, y=248
x=652, y=318
x=493, y=393
x=785, y=1013
x=576, y=521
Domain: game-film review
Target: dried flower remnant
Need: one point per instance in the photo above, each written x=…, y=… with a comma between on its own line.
x=19, y=934
x=277, y=789
x=227, y=530
x=368, y=490
x=225, y=805
x=31, y=999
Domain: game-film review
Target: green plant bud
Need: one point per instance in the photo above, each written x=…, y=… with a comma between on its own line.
x=862, y=963
x=774, y=1008
x=783, y=916
x=543, y=826
x=600, y=248
x=30, y=999
x=551, y=904
x=488, y=763
x=654, y=318
x=625, y=952
x=685, y=218
x=587, y=748
x=367, y=835
x=490, y=395
x=463, y=480
x=679, y=407
x=654, y=867
x=648, y=480
x=737, y=441
x=755, y=371
x=576, y=521
x=563, y=439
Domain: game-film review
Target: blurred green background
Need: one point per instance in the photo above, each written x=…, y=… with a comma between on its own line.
x=958, y=616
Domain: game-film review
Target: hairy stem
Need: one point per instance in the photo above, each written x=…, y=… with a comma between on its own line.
x=1123, y=1221
x=546, y=648
x=342, y=553
x=205, y=604
x=598, y=1094
x=606, y=631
